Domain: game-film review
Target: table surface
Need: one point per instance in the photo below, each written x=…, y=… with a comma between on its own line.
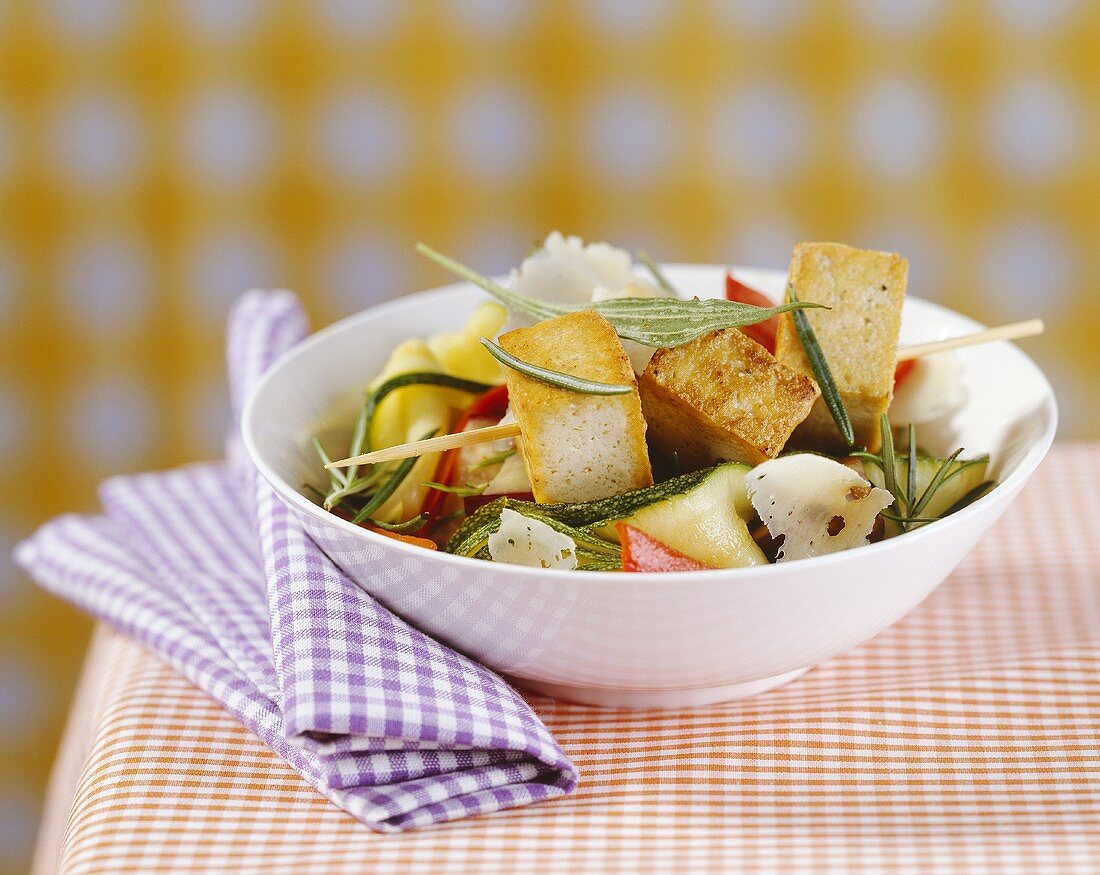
x=964, y=738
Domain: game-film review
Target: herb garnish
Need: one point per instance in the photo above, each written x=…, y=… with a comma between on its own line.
x=466, y=491
x=553, y=378
x=908, y=509
x=661, y=323
x=820, y=366
x=496, y=459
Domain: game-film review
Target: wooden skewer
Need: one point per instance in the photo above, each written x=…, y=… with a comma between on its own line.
x=433, y=445
x=1014, y=331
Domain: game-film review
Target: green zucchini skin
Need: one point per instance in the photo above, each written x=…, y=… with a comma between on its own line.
x=716, y=526
x=707, y=522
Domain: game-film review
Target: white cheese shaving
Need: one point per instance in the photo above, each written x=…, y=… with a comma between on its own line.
x=934, y=389
x=521, y=540
x=567, y=271
x=817, y=504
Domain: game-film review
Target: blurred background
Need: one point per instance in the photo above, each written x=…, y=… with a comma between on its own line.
x=156, y=158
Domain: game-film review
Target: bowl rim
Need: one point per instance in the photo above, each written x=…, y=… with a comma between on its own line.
x=1015, y=481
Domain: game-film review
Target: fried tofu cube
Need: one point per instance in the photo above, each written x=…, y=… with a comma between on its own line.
x=722, y=397
x=577, y=447
x=859, y=335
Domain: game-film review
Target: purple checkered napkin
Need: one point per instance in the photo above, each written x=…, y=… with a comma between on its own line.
x=206, y=568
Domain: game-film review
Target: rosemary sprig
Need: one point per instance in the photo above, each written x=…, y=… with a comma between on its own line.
x=466, y=491
x=495, y=459
x=908, y=509
x=661, y=323
x=553, y=378
x=890, y=465
x=357, y=486
x=658, y=275
x=337, y=478
x=911, y=488
x=820, y=366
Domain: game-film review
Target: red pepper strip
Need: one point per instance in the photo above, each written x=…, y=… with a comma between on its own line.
x=408, y=539
x=762, y=332
x=902, y=371
x=642, y=552
x=491, y=405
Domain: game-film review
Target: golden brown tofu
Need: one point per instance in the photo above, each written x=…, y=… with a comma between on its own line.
x=577, y=447
x=722, y=397
x=859, y=335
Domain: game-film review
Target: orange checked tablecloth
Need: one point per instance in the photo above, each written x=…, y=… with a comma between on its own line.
x=964, y=739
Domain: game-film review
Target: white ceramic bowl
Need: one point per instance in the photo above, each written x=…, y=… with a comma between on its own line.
x=640, y=640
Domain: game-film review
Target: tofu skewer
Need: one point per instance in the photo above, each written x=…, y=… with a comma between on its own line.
x=577, y=447
x=432, y=445
x=1012, y=331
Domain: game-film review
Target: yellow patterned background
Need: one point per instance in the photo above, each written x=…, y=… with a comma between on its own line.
x=158, y=157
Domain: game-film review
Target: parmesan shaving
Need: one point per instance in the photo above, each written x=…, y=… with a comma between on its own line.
x=816, y=504
x=567, y=271
x=521, y=540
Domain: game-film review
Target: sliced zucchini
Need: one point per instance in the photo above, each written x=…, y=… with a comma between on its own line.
x=702, y=514
x=472, y=538
x=706, y=522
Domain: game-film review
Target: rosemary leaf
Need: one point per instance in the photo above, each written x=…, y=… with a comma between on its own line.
x=816, y=357
x=389, y=486
x=553, y=378
x=664, y=323
x=889, y=461
x=357, y=486
x=661, y=323
x=496, y=459
x=864, y=456
x=651, y=266
x=337, y=478
x=905, y=521
x=461, y=491
x=359, y=436
x=911, y=486
x=530, y=306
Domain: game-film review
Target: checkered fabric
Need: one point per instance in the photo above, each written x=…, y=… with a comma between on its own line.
x=965, y=738
x=205, y=567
